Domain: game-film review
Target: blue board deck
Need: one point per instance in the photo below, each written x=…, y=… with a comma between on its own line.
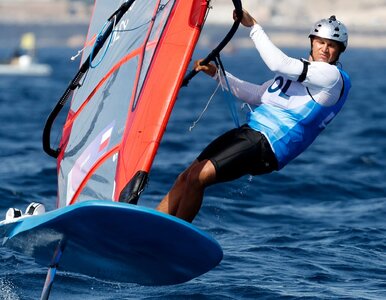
x=116, y=241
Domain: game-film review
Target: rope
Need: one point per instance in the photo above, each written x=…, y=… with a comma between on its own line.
x=205, y=108
x=231, y=99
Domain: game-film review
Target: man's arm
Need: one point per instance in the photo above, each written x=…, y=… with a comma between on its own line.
x=319, y=75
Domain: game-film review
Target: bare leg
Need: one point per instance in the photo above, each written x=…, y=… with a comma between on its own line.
x=171, y=201
x=185, y=198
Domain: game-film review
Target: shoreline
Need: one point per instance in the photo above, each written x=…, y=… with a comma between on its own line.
x=64, y=23
x=74, y=35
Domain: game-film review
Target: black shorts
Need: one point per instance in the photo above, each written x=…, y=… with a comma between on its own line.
x=239, y=152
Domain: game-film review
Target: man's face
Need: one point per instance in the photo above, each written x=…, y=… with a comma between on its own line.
x=325, y=50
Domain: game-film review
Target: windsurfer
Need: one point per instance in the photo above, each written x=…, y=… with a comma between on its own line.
x=291, y=110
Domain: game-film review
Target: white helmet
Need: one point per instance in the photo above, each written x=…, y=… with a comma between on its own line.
x=331, y=29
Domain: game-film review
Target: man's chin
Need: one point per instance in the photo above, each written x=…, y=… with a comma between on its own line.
x=322, y=60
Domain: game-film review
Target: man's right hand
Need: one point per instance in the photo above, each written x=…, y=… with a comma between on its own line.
x=209, y=69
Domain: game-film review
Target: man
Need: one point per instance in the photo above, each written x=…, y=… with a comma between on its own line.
x=292, y=109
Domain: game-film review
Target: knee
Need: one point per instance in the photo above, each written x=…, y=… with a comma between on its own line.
x=183, y=177
x=197, y=175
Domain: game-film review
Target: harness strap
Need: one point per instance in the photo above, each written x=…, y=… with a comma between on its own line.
x=303, y=76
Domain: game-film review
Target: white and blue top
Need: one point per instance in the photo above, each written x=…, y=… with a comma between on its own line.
x=291, y=114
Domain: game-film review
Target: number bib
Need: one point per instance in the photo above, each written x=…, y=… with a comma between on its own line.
x=286, y=94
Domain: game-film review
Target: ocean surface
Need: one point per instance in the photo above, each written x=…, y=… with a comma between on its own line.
x=315, y=230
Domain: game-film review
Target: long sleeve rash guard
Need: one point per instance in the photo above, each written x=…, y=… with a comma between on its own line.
x=323, y=80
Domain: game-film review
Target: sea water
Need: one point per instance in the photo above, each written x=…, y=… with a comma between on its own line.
x=314, y=230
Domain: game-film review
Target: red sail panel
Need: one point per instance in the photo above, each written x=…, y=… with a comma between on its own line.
x=147, y=123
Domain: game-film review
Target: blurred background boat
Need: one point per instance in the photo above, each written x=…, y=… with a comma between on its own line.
x=23, y=60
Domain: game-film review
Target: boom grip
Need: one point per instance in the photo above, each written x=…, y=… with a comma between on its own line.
x=239, y=14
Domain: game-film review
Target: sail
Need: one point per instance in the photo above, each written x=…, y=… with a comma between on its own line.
x=120, y=111
x=28, y=42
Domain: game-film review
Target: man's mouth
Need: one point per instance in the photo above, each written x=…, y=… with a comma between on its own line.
x=323, y=56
